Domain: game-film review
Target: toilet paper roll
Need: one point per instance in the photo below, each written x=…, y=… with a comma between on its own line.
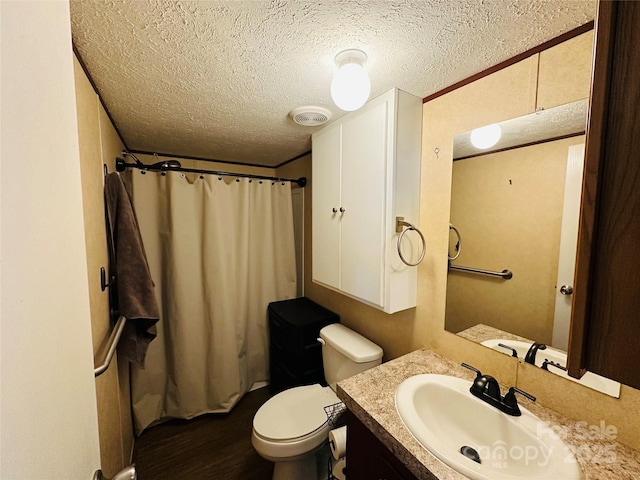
x=338, y=442
x=338, y=469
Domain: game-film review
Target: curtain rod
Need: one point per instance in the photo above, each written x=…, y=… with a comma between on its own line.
x=174, y=165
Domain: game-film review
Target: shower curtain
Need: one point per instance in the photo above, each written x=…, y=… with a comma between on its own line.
x=219, y=249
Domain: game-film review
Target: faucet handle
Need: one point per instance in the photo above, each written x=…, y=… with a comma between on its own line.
x=523, y=393
x=484, y=385
x=473, y=369
x=514, y=352
x=511, y=403
x=547, y=363
x=510, y=397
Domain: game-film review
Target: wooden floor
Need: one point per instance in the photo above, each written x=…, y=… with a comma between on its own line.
x=216, y=446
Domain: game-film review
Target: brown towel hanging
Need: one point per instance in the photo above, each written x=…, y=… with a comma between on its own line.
x=131, y=284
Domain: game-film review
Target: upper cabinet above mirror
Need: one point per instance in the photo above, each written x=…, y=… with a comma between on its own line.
x=564, y=72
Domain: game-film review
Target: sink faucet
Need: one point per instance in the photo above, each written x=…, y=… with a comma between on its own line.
x=531, y=354
x=487, y=389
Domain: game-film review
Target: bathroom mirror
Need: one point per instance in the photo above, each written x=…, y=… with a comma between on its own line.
x=514, y=217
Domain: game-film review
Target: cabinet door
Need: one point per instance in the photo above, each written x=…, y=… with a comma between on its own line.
x=564, y=73
x=326, y=197
x=368, y=458
x=364, y=163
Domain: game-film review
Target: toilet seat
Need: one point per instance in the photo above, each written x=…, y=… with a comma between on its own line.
x=294, y=415
x=293, y=423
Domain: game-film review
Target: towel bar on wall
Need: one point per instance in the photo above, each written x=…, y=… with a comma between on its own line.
x=506, y=274
x=114, y=338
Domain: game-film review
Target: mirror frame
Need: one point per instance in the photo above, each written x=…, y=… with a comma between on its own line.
x=605, y=335
x=596, y=123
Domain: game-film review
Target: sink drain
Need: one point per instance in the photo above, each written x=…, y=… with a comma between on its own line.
x=471, y=453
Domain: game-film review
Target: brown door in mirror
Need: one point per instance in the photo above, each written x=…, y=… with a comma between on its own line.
x=606, y=324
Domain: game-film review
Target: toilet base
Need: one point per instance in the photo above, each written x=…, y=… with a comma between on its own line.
x=312, y=466
x=302, y=467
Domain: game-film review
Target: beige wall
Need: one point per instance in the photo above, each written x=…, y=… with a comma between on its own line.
x=99, y=144
x=506, y=94
x=48, y=422
x=508, y=208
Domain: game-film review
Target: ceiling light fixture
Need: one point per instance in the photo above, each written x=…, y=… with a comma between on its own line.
x=350, y=87
x=485, y=137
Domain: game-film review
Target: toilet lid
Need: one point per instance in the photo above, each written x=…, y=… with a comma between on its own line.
x=294, y=413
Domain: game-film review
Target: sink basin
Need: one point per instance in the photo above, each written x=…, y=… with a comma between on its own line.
x=589, y=379
x=445, y=418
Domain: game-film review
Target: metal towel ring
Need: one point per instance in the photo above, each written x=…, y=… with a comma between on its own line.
x=458, y=244
x=401, y=223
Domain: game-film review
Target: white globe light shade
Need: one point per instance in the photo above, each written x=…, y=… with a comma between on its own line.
x=485, y=137
x=350, y=87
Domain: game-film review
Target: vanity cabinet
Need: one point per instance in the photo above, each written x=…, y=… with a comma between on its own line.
x=366, y=171
x=368, y=458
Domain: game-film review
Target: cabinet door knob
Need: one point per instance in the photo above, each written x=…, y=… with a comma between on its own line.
x=342, y=210
x=334, y=210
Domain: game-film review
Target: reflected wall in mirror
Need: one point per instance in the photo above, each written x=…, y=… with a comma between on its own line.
x=515, y=207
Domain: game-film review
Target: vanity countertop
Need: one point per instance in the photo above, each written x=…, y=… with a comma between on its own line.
x=480, y=332
x=370, y=396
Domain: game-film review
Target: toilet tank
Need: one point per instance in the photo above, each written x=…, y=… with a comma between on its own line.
x=346, y=353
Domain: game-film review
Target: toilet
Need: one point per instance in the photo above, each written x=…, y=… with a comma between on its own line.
x=292, y=427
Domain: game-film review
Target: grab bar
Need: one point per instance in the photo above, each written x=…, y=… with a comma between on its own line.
x=114, y=338
x=128, y=473
x=506, y=274
x=458, y=243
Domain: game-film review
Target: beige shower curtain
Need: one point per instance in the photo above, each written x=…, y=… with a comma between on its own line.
x=219, y=249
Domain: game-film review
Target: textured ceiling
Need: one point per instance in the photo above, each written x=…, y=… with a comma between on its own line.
x=217, y=79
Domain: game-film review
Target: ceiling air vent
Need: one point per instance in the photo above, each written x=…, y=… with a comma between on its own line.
x=310, y=116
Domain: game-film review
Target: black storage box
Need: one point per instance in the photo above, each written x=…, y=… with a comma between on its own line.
x=295, y=353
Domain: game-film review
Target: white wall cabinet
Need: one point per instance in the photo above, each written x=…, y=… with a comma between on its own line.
x=366, y=171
